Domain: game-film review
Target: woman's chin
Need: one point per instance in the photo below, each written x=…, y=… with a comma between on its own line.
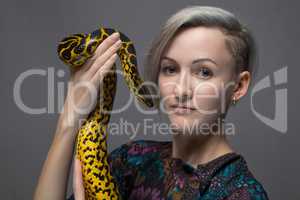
x=190, y=125
x=183, y=126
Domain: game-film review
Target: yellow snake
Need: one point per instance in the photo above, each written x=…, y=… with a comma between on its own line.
x=91, y=147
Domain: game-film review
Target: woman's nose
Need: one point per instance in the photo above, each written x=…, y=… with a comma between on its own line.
x=183, y=88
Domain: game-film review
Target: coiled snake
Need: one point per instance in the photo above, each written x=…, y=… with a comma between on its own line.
x=91, y=147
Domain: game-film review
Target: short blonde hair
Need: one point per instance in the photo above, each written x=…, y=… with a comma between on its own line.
x=240, y=41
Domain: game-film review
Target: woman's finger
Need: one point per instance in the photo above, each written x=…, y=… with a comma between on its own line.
x=104, y=46
x=99, y=75
x=99, y=62
x=107, y=43
x=77, y=181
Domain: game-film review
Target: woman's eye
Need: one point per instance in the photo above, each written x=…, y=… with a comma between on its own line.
x=205, y=72
x=168, y=69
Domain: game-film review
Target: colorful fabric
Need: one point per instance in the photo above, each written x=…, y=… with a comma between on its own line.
x=146, y=170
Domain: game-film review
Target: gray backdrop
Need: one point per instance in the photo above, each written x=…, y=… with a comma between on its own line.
x=31, y=29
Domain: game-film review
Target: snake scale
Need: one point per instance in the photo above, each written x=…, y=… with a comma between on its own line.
x=91, y=141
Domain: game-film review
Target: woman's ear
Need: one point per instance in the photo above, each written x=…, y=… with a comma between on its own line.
x=242, y=85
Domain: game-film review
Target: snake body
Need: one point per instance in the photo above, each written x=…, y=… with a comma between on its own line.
x=91, y=145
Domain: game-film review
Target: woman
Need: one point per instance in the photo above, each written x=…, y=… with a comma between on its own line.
x=202, y=62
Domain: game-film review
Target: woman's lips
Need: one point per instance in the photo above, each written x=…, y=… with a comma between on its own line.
x=182, y=109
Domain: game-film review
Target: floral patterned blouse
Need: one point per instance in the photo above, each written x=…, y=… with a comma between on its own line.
x=146, y=170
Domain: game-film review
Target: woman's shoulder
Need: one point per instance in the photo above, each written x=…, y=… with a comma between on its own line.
x=246, y=187
x=236, y=181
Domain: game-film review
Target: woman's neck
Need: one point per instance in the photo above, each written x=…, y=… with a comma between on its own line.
x=199, y=149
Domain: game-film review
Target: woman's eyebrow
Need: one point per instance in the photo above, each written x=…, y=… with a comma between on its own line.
x=167, y=58
x=194, y=61
x=203, y=60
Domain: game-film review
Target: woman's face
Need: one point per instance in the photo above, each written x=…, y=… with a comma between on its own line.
x=197, y=72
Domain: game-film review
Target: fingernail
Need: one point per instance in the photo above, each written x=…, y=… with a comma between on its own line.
x=119, y=42
x=115, y=35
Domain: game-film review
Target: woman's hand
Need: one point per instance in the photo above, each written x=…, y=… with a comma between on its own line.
x=85, y=81
x=78, y=188
x=53, y=181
